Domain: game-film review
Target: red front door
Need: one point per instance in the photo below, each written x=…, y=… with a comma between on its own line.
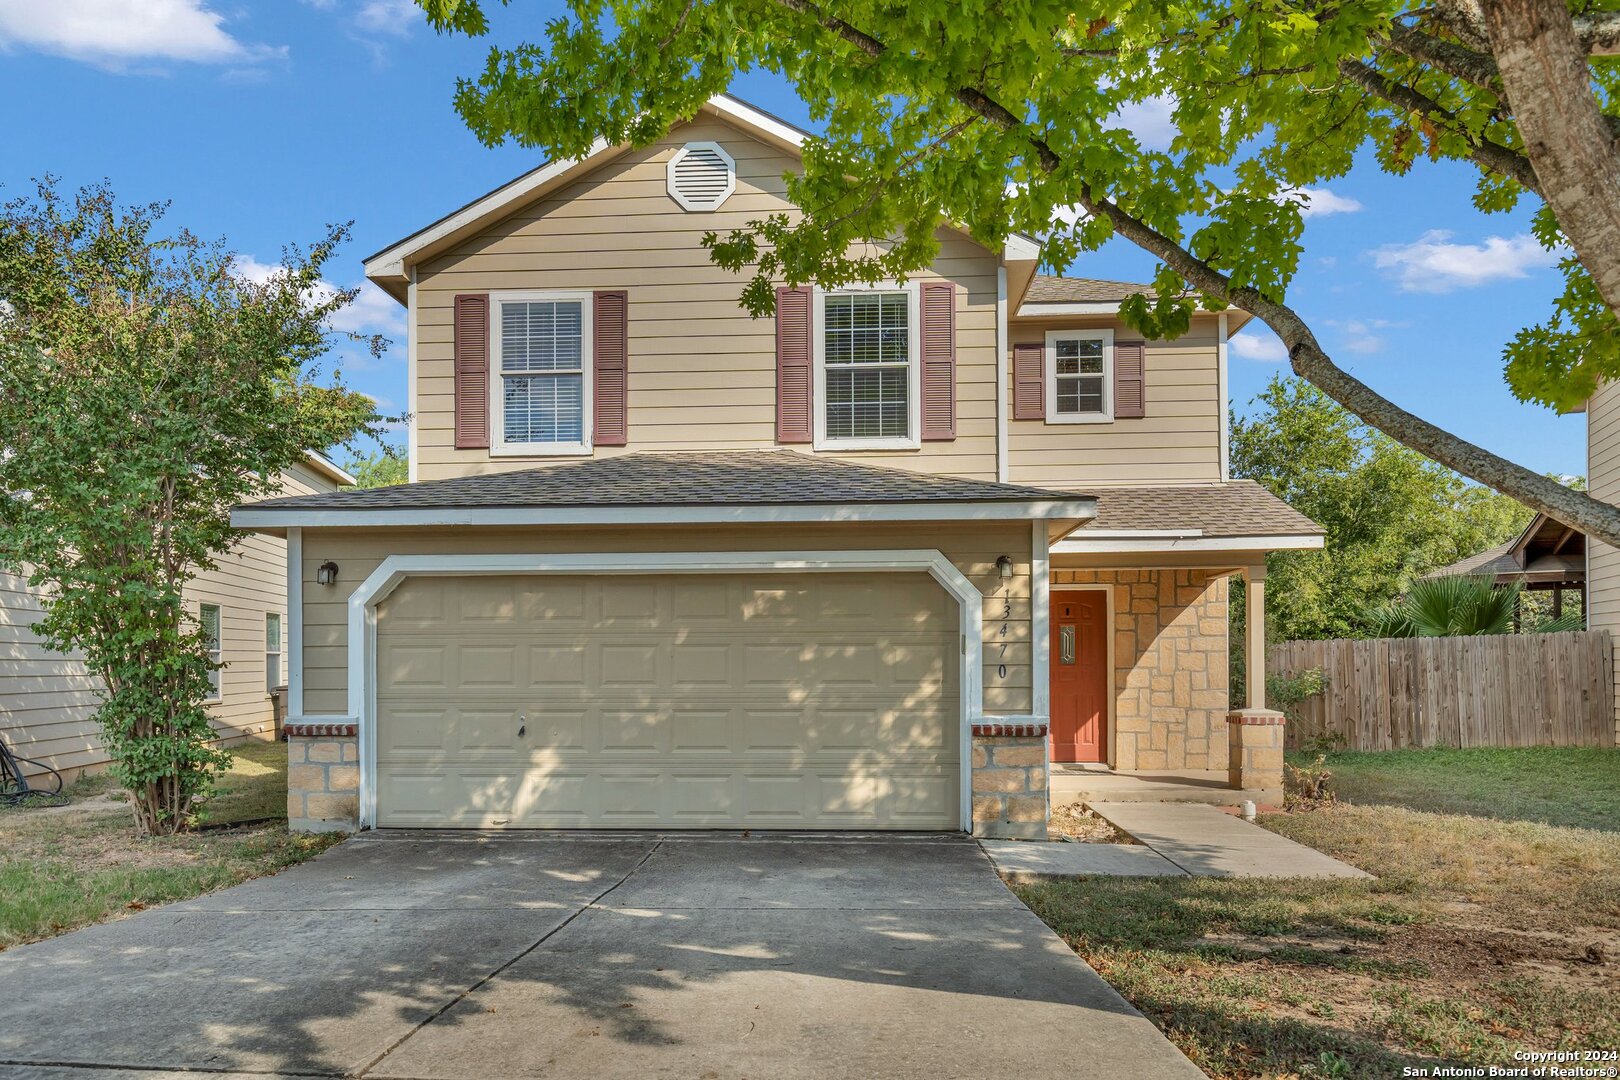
x=1079, y=675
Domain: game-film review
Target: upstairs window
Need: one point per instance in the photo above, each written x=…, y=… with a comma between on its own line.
x=1079, y=376
x=866, y=342
x=541, y=390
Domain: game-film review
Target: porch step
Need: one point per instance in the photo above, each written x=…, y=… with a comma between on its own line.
x=1077, y=785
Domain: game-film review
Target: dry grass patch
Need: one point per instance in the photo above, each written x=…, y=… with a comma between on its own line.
x=1480, y=938
x=1080, y=825
x=64, y=868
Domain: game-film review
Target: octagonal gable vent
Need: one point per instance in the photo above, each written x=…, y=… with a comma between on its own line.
x=701, y=176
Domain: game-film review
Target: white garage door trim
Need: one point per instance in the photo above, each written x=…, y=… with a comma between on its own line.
x=396, y=568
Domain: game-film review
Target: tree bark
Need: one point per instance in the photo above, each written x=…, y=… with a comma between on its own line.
x=1593, y=517
x=1309, y=361
x=1569, y=141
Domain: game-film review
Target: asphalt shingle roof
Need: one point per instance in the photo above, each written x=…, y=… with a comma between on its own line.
x=1047, y=289
x=1235, y=508
x=703, y=478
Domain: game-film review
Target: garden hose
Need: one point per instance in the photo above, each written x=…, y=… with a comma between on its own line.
x=14, y=787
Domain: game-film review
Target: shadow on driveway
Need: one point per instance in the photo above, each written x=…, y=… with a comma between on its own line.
x=589, y=955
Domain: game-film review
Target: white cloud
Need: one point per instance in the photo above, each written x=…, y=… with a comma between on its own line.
x=371, y=312
x=1150, y=121
x=115, y=33
x=395, y=17
x=1261, y=346
x=1433, y=264
x=1362, y=335
x=1320, y=202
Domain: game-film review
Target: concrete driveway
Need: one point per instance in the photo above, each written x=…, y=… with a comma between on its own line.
x=583, y=956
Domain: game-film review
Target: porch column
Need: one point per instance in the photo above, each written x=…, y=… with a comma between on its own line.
x=1254, y=653
x=1255, y=733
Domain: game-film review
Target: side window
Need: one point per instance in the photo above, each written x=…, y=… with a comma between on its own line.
x=1079, y=376
x=272, y=651
x=208, y=615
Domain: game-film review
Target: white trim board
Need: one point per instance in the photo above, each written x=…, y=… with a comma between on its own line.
x=1106, y=544
x=1083, y=509
x=295, y=623
x=362, y=622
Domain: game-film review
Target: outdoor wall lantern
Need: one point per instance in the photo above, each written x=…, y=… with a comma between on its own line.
x=326, y=573
x=1004, y=567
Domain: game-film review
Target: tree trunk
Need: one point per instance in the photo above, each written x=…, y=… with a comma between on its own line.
x=1570, y=143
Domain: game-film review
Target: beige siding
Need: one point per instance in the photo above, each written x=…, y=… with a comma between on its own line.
x=1603, y=481
x=47, y=699
x=972, y=548
x=702, y=372
x=1177, y=442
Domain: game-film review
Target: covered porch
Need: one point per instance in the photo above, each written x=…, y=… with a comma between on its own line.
x=1173, y=728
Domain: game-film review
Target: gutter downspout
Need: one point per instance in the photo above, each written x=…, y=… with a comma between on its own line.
x=413, y=464
x=1001, y=374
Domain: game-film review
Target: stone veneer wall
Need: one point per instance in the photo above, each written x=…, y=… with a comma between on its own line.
x=323, y=778
x=1171, y=684
x=1010, y=781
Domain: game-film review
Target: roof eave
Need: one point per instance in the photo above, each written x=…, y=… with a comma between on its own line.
x=390, y=268
x=1123, y=542
x=1039, y=309
x=261, y=517
x=329, y=469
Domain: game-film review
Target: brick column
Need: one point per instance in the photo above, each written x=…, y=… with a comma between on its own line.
x=1010, y=789
x=323, y=778
x=1255, y=750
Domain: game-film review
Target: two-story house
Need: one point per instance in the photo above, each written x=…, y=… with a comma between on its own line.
x=882, y=561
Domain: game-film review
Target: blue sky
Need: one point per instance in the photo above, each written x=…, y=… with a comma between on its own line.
x=261, y=123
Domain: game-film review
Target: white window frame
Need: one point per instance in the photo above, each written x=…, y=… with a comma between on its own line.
x=271, y=683
x=818, y=334
x=498, y=446
x=216, y=654
x=1107, y=415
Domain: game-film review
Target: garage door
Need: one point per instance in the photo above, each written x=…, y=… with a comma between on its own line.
x=786, y=701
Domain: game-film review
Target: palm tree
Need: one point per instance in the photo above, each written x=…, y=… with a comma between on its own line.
x=1449, y=607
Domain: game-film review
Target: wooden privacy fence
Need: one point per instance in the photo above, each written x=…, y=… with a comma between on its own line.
x=1489, y=690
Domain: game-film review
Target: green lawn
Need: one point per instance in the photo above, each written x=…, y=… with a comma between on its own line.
x=1554, y=785
x=1481, y=936
x=66, y=868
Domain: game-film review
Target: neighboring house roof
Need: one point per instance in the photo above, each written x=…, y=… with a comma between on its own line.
x=1546, y=552
x=1236, y=508
x=697, y=479
x=389, y=267
x=329, y=469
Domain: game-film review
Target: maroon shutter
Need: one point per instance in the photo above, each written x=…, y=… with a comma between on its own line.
x=1130, y=380
x=472, y=371
x=793, y=375
x=938, y=360
x=1029, y=381
x=610, y=368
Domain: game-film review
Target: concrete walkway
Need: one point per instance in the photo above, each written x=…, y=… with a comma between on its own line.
x=1177, y=839
x=1205, y=842
x=592, y=955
